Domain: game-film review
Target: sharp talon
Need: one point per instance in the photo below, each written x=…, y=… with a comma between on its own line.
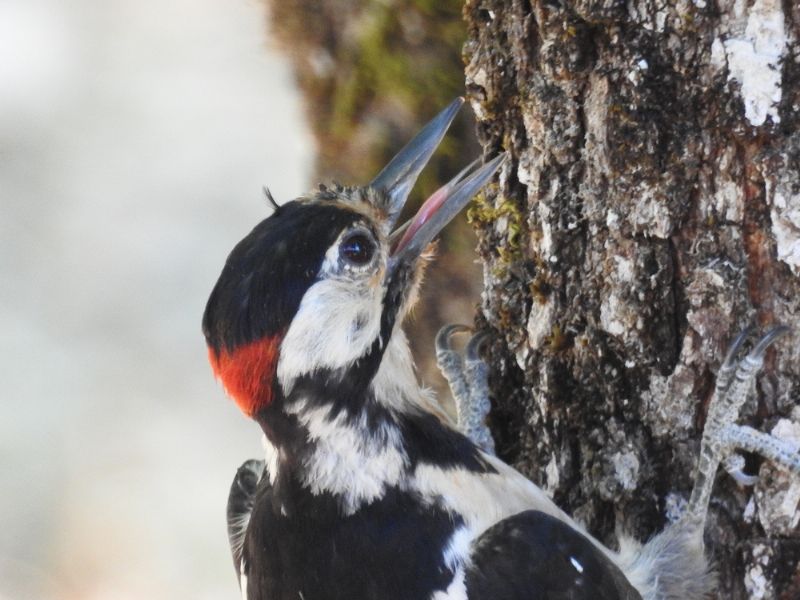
x=769, y=338
x=743, y=478
x=752, y=363
x=445, y=333
x=728, y=366
x=721, y=435
x=735, y=346
x=734, y=465
x=466, y=373
x=476, y=343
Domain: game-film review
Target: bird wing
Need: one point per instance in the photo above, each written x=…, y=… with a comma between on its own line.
x=535, y=556
x=240, y=504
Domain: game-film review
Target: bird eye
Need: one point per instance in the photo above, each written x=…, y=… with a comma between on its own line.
x=357, y=249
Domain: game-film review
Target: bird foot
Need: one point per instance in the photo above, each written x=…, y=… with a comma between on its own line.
x=722, y=437
x=467, y=376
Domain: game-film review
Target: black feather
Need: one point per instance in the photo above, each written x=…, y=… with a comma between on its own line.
x=392, y=549
x=268, y=272
x=240, y=505
x=427, y=441
x=534, y=556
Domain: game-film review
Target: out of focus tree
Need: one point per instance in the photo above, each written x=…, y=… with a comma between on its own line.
x=372, y=74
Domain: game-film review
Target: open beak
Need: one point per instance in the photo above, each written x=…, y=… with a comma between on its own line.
x=444, y=204
x=398, y=177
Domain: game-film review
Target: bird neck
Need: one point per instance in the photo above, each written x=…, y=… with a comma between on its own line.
x=364, y=396
x=347, y=449
x=337, y=437
x=396, y=384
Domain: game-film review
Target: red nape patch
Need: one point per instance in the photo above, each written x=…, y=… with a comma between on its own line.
x=247, y=372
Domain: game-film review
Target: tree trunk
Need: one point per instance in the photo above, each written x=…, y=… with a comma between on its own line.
x=650, y=210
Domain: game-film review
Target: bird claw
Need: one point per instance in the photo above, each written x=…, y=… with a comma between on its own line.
x=467, y=376
x=451, y=363
x=734, y=465
x=722, y=436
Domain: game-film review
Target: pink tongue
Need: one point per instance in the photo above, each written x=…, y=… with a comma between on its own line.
x=428, y=209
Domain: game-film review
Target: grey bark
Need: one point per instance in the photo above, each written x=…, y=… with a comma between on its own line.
x=649, y=212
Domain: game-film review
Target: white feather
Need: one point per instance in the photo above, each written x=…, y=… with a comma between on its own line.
x=238, y=529
x=483, y=499
x=351, y=460
x=270, y=459
x=396, y=385
x=337, y=321
x=334, y=325
x=456, y=554
x=671, y=566
x=457, y=590
x=243, y=579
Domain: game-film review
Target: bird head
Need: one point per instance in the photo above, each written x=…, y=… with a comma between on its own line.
x=316, y=291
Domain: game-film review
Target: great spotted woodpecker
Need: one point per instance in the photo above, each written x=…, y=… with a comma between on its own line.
x=369, y=490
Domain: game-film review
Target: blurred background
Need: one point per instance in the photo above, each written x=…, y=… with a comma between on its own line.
x=134, y=141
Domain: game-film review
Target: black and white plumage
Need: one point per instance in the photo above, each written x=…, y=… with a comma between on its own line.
x=368, y=490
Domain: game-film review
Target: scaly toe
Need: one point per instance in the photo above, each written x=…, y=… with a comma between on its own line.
x=472, y=416
x=722, y=436
x=451, y=364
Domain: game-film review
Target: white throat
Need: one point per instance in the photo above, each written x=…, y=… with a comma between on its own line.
x=396, y=385
x=351, y=459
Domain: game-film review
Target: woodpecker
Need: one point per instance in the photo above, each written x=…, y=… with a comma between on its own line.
x=368, y=489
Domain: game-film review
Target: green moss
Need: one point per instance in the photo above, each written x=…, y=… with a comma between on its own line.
x=482, y=212
x=539, y=289
x=405, y=54
x=557, y=340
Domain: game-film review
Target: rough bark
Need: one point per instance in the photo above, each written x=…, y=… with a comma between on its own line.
x=649, y=212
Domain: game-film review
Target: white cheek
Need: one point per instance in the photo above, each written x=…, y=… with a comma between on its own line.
x=337, y=322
